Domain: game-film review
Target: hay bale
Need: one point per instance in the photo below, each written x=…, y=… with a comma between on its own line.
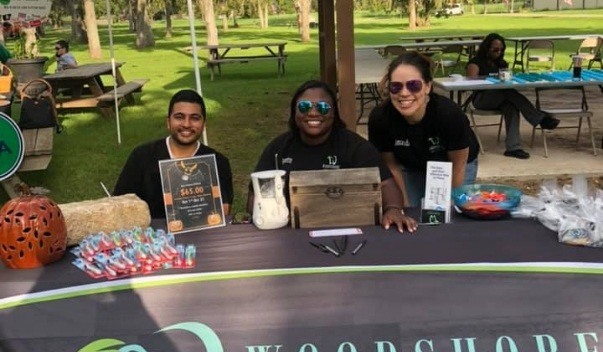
x=105, y=214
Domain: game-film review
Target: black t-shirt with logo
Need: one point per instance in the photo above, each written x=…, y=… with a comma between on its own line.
x=343, y=149
x=444, y=128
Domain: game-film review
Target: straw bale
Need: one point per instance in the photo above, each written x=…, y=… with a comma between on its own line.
x=105, y=214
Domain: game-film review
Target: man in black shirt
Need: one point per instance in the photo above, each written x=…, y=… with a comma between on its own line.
x=185, y=122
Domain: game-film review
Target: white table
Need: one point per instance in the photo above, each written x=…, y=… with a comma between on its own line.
x=590, y=78
x=370, y=67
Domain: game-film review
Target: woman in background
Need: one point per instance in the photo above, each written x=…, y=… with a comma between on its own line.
x=489, y=60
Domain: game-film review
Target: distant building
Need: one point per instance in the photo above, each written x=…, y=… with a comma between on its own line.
x=539, y=5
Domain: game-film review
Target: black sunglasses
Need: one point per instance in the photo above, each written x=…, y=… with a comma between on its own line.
x=304, y=106
x=58, y=48
x=413, y=86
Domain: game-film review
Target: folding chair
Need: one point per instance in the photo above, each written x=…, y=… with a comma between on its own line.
x=473, y=111
x=540, y=51
x=579, y=113
x=449, y=58
x=590, y=49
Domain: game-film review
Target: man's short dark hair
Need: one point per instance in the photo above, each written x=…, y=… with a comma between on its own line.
x=63, y=44
x=187, y=96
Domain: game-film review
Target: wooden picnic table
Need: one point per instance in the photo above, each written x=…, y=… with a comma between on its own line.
x=82, y=87
x=221, y=54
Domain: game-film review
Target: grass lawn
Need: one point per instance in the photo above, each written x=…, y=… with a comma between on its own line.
x=248, y=105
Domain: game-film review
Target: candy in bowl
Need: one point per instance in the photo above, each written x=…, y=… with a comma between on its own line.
x=486, y=201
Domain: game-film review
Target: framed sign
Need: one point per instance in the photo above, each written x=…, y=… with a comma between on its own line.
x=191, y=193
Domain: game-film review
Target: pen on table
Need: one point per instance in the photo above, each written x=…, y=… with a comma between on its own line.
x=105, y=189
x=334, y=252
x=317, y=246
x=358, y=247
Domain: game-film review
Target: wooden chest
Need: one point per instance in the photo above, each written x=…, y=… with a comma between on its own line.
x=334, y=198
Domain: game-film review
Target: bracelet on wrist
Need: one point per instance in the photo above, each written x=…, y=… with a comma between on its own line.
x=397, y=207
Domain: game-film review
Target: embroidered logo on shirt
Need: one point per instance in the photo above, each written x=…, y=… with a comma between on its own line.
x=401, y=143
x=287, y=161
x=434, y=145
x=331, y=162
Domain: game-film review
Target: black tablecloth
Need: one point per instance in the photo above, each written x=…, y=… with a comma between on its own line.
x=273, y=288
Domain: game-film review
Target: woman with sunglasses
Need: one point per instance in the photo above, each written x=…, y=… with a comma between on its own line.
x=413, y=126
x=317, y=139
x=489, y=60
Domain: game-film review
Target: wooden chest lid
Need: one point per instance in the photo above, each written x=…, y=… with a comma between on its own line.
x=365, y=175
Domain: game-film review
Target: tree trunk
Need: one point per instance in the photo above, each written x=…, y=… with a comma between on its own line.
x=133, y=15
x=207, y=6
x=78, y=33
x=94, y=47
x=305, y=20
x=225, y=23
x=265, y=15
x=168, y=18
x=261, y=13
x=412, y=15
x=144, y=33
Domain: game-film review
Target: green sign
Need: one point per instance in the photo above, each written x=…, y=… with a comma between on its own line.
x=11, y=147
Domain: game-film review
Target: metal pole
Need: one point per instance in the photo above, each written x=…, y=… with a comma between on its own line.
x=191, y=22
x=113, y=71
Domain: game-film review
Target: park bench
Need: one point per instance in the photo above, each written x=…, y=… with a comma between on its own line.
x=123, y=91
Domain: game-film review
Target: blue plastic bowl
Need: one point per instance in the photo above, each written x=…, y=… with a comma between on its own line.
x=486, y=201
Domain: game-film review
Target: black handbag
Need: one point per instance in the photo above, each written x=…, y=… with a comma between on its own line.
x=38, y=107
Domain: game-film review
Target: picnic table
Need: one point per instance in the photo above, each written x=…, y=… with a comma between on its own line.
x=82, y=87
x=221, y=54
x=470, y=45
x=435, y=38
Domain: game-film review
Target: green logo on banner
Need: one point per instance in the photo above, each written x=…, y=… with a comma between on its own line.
x=11, y=147
x=4, y=2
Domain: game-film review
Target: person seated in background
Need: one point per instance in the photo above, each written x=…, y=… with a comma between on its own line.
x=488, y=61
x=65, y=60
x=317, y=137
x=413, y=126
x=185, y=123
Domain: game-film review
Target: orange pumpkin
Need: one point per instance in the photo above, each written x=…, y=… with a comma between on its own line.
x=32, y=232
x=214, y=219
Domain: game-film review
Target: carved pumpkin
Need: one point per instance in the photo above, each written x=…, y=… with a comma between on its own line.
x=32, y=232
x=214, y=219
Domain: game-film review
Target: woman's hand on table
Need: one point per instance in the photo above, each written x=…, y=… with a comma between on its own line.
x=395, y=216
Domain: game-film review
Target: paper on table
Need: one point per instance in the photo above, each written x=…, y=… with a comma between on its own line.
x=336, y=232
x=469, y=82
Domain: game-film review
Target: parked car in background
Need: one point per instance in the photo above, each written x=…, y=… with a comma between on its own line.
x=450, y=10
